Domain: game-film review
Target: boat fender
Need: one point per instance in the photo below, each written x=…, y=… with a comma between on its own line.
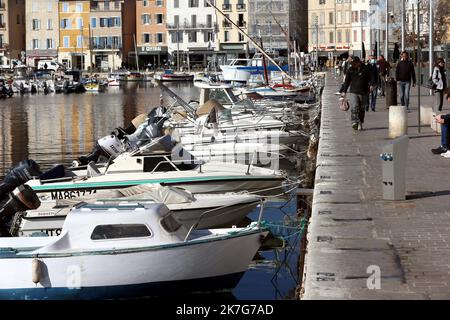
x=36, y=271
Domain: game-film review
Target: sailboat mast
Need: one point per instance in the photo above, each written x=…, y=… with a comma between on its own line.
x=250, y=39
x=135, y=52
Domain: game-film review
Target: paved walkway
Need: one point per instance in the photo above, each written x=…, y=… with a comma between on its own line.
x=353, y=228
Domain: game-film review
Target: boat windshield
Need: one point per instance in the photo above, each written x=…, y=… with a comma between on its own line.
x=170, y=224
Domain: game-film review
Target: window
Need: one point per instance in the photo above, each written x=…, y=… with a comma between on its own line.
x=192, y=36
x=94, y=22
x=363, y=14
x=79, y=7
x=331, y=37
x=347, y=16
x=146, y=38
x=339, y=36
x=209, y=21
x=347, y=36
x=355, y=35
x=35, y=44
x=49, y=6
x=174, y=37
x=193, y=4
x=193, y=21
x=354, y=16
x=145, y=3
x=226, y=36
x=363, y=35
x=159, y=38
x=80, y=23
x=34, y=7
x=159, y=3
x=50, y=44
x=145, y=18
x=159, y=18
x=66, y=41
x=330, y=18
x=106, y=4
x=208, y=36
x=103, y=22
x=322, y=18
x=339, y=17
x=65, y=7
x=321, y=1
x=49, y=24
x=65, y=24
x=176, y=3
x=241, y=37
x=35, y=24
x=80, y=42
x=120, y=231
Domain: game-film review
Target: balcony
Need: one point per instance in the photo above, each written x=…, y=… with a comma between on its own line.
x=226, y=7
x=187, y=26
x=226, y=25
x=107, y=47
x=2, y=25
x=241, y=6
x=242, y=24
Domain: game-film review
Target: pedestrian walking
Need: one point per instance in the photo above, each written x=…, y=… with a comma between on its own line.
x=373, y=69
x=439, y=78
x=359, y=82
x=383, y=68
x=404, y=73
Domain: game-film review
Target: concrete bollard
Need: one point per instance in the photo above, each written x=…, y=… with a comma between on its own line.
x=398, y=121
x=426, y=115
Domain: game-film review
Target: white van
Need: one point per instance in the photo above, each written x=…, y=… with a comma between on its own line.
x=48, y=65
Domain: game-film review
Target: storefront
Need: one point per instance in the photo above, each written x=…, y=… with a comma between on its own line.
x=34, y=56
x=151, y=57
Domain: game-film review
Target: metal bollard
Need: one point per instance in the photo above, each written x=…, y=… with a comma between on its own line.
x=394, y=156
x=398, y=121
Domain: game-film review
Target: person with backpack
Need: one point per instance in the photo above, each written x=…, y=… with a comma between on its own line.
x=383, y=69
x=373, y=69
x=404, y=74
x=439, y=80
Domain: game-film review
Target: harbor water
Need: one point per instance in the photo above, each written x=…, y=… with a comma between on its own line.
x=58, y=128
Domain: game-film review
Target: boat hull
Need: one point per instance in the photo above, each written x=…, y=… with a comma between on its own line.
x=124, y=273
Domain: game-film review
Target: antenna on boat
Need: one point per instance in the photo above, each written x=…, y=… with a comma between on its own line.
x=251, y=40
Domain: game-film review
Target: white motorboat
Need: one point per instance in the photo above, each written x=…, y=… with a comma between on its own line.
x=215, y=210
x=125, y=250
x=170, y=75
x=177, y=169
x=114, y=80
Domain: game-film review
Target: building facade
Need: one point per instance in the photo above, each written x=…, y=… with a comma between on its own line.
x=106, y=34
x=298, y=22
x=151, y=33
x=269, y=23
x=12, y=31
x=74, y=34
x=42, y=30
x=192, y=33
x=230, y=40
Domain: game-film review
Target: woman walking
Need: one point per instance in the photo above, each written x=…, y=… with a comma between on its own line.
x=439, y=78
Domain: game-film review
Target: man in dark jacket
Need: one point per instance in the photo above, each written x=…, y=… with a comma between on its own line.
x=373, y=69
x=404, y=74
x=360, y=82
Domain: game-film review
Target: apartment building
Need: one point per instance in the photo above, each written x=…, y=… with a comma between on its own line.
x=151, y=32
x=12, y=31
x=230, y=39
x=360, y=27
x=74, y=33
x=269, y=22
x=106, y=34
x=192, y=32
x=42, y=30
x=128, y=32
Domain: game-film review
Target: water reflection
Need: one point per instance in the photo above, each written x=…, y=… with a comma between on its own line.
x=58, y=128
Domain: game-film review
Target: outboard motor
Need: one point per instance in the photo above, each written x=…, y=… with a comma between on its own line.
x=21, y=198
x=109, y=147
x=145, y=133
x=19, y=175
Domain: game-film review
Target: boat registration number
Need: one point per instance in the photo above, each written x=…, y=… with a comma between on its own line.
x=71, y=194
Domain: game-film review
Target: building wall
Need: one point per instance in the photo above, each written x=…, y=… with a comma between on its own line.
x=298, y=19
x=106, y=34
x=151, y=31
x=68, y=51
x=14, y=27
x=46, y=14
x=264, y=24
x=360, y=26
x=185, y=14
x=128, y=31
x=237, y=11
x=4, y=34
